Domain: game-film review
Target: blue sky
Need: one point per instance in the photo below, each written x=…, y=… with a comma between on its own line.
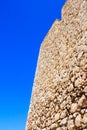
x=23, y=26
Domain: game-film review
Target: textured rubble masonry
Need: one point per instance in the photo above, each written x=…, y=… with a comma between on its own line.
x=59, y=97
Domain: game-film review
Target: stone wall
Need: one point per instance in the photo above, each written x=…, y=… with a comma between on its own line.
x=59, y=97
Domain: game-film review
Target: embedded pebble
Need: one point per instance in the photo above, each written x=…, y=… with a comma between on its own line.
x=63, y=121
x=70, y=125
x=57, y=117
x=81, y=100
x=85, y=118
x=59, y=128
x=53, y=126
x=85, y=89
x=70, y=88
x=78, y=120
x=63, y=114
x=74, y=107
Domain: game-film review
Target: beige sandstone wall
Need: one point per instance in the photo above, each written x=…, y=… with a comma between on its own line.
x=59, y=97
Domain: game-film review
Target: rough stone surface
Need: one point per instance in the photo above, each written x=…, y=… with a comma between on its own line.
x=59, y=97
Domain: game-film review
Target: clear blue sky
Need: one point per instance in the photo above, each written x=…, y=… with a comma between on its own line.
x=23, y=25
